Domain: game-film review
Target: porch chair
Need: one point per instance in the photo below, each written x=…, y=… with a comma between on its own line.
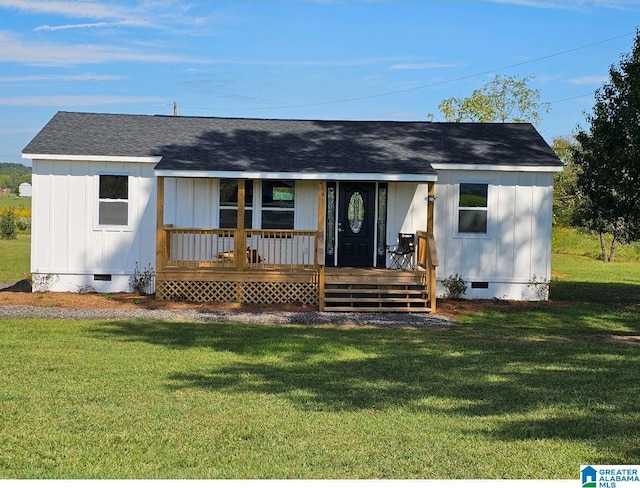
x=402, y=253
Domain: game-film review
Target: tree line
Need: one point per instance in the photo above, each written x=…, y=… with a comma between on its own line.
x=12, y=175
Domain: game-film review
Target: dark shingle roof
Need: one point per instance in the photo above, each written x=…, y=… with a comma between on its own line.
x=229, y=144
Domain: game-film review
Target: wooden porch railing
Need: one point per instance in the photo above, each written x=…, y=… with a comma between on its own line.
x=427, y=259
x=187, y=248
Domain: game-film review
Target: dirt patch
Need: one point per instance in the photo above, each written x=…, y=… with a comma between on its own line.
x=618, y=339
x=15, y=295
x=127, y=301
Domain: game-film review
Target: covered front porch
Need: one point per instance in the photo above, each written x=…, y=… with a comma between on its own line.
x=271, y=266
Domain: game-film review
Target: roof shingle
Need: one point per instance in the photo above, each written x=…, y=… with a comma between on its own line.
x=302, y=146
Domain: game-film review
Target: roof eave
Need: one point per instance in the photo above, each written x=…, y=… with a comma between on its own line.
x=93, y=157
x=275, y=175
x=541, y=168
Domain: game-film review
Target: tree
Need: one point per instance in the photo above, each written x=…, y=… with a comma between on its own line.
x=565, y=200
x=12, y=175
x=504, y=99
x=608, y=157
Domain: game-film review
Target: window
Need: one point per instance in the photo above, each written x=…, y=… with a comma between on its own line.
x=278, y=202
x=472, y=208
x=229, y=204
x=113, y=200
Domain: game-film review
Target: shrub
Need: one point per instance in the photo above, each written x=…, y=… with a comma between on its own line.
x=141, y=281
x=8, y=224
x=42, y=282
x=539, y=287
x=455, y=286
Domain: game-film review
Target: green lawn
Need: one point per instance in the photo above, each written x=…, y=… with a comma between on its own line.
x=14, y=258
x=14, y=201
x=515, y=391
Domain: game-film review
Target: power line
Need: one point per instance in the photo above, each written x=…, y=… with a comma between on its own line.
x=431, y=85
x=573, y=98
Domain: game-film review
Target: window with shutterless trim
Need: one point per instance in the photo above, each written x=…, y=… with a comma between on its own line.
x=278, y=204
x=229, y=204
x=473, y=208
x=113, y=200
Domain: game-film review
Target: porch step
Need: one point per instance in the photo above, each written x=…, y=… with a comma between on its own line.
x=375, y=291
x=361, y=307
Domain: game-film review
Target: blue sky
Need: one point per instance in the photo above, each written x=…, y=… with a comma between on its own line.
x=314, y=59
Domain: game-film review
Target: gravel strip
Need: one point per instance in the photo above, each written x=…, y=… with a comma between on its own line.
x=301, y=318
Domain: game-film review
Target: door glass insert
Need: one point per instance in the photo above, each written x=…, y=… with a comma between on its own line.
x=331, y=219
x=355, y=212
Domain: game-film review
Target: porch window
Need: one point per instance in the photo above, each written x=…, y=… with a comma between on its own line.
x=229, y=204
x=473, y=208
x=278, y=202
x=113, y=200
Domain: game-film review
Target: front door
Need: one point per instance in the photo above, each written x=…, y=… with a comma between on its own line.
x=356, y=224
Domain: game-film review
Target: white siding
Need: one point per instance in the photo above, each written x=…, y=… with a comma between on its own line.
x=406, y=210
x=518, y=243
x=193, y=202
x=66, y=240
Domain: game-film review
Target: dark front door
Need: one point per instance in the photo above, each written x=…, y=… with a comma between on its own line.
x=356, y=224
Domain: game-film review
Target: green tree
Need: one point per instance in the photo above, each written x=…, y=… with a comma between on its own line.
x=12, y=175
x=565, y=197
x=503, y=99
x=608, y=157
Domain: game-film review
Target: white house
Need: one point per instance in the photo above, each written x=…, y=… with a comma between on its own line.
x=302, y=211
x=24, y=190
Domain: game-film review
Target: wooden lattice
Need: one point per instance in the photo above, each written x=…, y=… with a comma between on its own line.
x=242, y=292
x=265, y=292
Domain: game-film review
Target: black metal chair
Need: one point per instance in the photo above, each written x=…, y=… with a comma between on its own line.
x=402, y=253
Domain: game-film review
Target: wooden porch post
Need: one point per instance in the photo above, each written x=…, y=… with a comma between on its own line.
x=240, y=251
x=430, y=204
x=161, y=236
x=319, y=258
x=430, y=264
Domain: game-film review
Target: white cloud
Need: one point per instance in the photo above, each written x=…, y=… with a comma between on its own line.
x=168, y=15
x=76, y=100
x=13, y=49
x=589, y=80
x=93, y=25
x=308, y=62
x=69, y=8
x=425, y=65
x=40, y=78
x=571, y=4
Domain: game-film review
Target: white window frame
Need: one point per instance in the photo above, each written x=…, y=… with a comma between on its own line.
x=257, y=207
x=458, y=208
x=221, y=207
x=258, y=203
x=116, y=227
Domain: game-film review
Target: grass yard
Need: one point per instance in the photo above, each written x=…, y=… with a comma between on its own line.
x=14, y=258
x=14, y=201
x=515, y=390
x=172, y=400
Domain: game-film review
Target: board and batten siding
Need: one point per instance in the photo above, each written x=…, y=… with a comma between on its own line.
x=66, y=241
x=517, y=246
x=406, y=210
x=194, y=203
